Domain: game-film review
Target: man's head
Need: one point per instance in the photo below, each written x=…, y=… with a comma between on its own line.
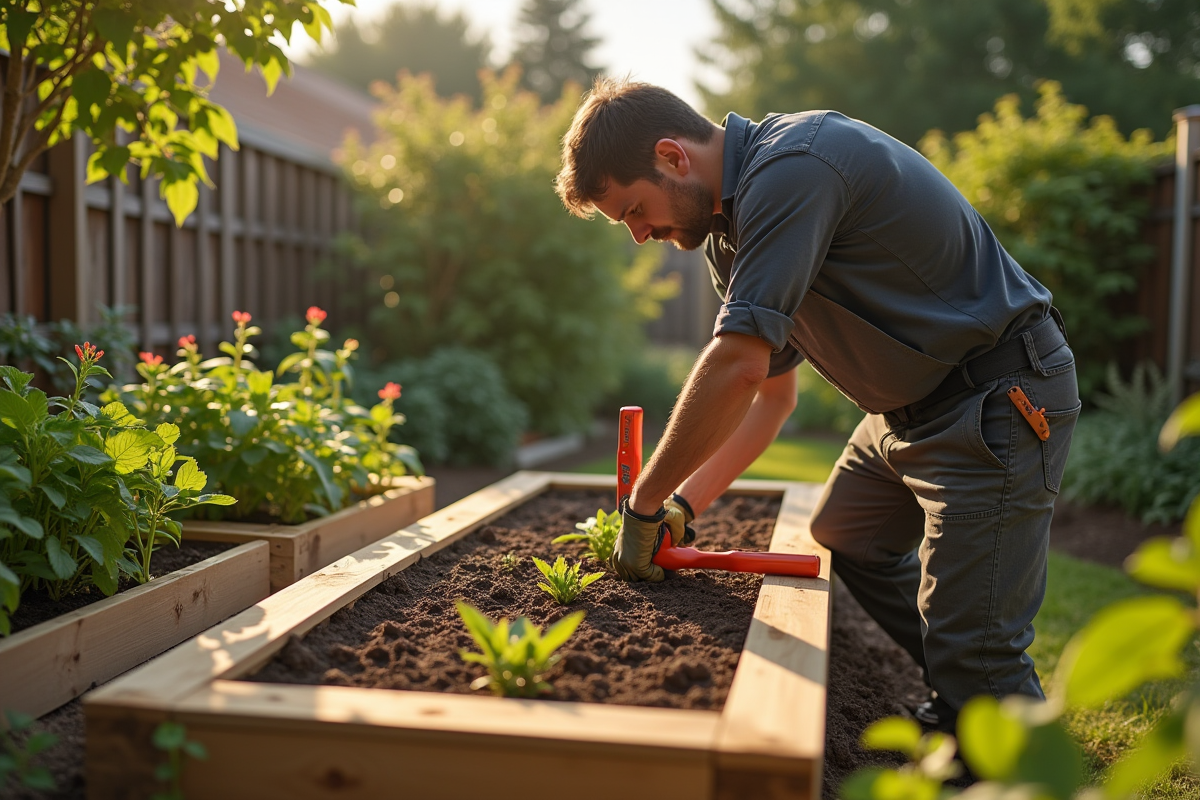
x=630, y=153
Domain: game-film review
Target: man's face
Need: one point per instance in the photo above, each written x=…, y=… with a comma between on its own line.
x=678, y=210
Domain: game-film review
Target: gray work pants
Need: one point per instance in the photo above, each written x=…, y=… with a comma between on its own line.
x=939, y=518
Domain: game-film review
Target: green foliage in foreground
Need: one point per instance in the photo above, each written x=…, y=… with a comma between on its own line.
x=16, y=758
x=1064, y=195
x=171, y=738
x=1115, y=459
x=1020, y=748
x=564, y=583
x=599, y=532
x=517, y=655
x=465, y=244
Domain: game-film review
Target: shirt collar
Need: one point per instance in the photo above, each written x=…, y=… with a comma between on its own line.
x=737, y=130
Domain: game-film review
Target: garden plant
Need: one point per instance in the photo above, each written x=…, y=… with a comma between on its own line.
x=564, y=583
x=16, y=758
x=1020, y=748
x=517, y=655
x=86, y=490
x=599, y=533
x=287, y=443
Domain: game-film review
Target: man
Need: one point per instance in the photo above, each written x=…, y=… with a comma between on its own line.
x=831, y=241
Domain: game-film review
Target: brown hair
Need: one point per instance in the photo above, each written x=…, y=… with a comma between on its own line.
x=613, y=135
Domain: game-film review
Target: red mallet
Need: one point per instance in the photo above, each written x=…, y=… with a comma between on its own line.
x=629, y=466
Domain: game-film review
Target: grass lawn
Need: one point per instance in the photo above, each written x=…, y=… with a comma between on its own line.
x=787, y=459
x=1075, y=591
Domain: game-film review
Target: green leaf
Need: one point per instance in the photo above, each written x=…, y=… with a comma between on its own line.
x=325, y=474
x=215, y=500
x=88, y=455
x=116, y=26
x=54, y=495
x=16, y=412
x=893, y=733
x=181, y=196
x=26, y=525
x=130, y=449
x=91, y=546
x=119, y=414
x=874, y=783
x=91, y=87
x=15, y=378
x=221, y=123
x=168, y=432
x=18, y=24
x=189, y=477
x=1053, y=760
x=61, y=562
x=1184, y=421
x=990, y=740
x=8, y=576
x=169, y=736
x=259, y=382
x=1166, y=562
x=558, y=633
x=1123, y=646
x=242, y=423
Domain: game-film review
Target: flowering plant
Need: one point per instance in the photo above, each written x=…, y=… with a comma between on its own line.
x=285, y=442
x=85, y=493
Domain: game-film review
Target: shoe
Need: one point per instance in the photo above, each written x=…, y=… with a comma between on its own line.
x=935, y=714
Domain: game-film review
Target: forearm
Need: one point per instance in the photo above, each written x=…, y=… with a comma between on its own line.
x=714, y=401
x=772, y=405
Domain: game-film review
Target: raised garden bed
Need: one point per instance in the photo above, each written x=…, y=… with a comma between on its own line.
x=316, y=741
x=52, y=662
x=299, y=550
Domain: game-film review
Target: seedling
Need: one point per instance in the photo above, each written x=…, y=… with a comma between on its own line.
x=517, y=655
x=600, y=533
x=509, y=561
x=171, y=738
x=564, y=583
x=16, y=759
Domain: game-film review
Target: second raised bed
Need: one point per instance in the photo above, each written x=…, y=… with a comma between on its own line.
x=336, y=741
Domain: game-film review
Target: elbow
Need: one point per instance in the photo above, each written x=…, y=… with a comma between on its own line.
x=747, y=359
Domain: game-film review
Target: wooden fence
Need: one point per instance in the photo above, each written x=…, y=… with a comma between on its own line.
x=254, y=243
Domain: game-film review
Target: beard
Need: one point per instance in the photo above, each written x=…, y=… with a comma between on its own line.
x=691, y=205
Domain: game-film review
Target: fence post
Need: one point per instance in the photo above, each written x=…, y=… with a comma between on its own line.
x=70, y=296
x=1187, y=142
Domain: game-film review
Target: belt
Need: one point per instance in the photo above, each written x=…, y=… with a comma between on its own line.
x=1019, y=352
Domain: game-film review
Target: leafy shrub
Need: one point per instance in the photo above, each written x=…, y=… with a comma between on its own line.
x=16, y=758
x=564, y=583
x=459, y=410
x=600, y=533
x=84, y=493
x=820, y=406
x=1019, y=747
x=517, y=655
x=283, y=448
x=1063, y=196
x=38, y=348
x=651, y=377
x=466, y=244
x=1115, y=459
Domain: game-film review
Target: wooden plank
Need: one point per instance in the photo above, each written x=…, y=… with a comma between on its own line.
x=248, y=640
x=773, y=724
x=56, y=661
x=116, y=239
x=67, y=247
x=299, y=550
x=146, y=255
x=227, y=165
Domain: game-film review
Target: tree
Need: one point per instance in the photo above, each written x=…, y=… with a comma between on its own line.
x=416, y=38
x=907, y=66
x=553, y=47
x=127, y=75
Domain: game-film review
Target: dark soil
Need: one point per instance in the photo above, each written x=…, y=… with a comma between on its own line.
x=38, y=607
x=673, y=644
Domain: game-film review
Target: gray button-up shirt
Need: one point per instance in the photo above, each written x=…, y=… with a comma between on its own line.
x=839, y=244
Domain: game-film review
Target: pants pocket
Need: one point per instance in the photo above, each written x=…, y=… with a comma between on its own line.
x=1056, y=448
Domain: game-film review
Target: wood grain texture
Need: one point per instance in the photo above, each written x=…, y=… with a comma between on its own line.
x=54, y=662
x=773, y=723
x=299, y=550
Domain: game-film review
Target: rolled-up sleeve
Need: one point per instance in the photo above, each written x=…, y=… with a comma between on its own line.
x=787, y=210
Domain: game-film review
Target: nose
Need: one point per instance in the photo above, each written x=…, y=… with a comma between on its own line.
x=640, y=232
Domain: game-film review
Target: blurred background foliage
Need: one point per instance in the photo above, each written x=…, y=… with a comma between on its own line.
x=465, y=243
x=908, y=66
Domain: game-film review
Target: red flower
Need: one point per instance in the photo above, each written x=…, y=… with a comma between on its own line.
x=79, y=352
x=314, y=315
x=87, y=352
x=390, y=392
x=187, y=342
x=150, y=358
x=241, y=317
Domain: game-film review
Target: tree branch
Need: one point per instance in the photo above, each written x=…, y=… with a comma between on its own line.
x=14, y=78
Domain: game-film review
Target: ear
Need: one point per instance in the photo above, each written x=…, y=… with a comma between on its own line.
x=672, y=157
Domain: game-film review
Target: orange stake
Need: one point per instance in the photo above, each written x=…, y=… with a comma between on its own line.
x=629, y=451
x=1034, y=416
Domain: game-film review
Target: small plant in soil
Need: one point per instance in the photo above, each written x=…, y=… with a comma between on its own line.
x=600, y=533
x=517, y=654
x=171, y=738
x=564, y=583
x=16, y=759
x=509, y=561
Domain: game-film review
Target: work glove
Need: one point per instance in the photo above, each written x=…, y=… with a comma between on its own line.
x=679, y=520
x=636, y=545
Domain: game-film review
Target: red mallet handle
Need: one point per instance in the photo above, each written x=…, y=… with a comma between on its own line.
x=629, y=451
x=800, y=566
